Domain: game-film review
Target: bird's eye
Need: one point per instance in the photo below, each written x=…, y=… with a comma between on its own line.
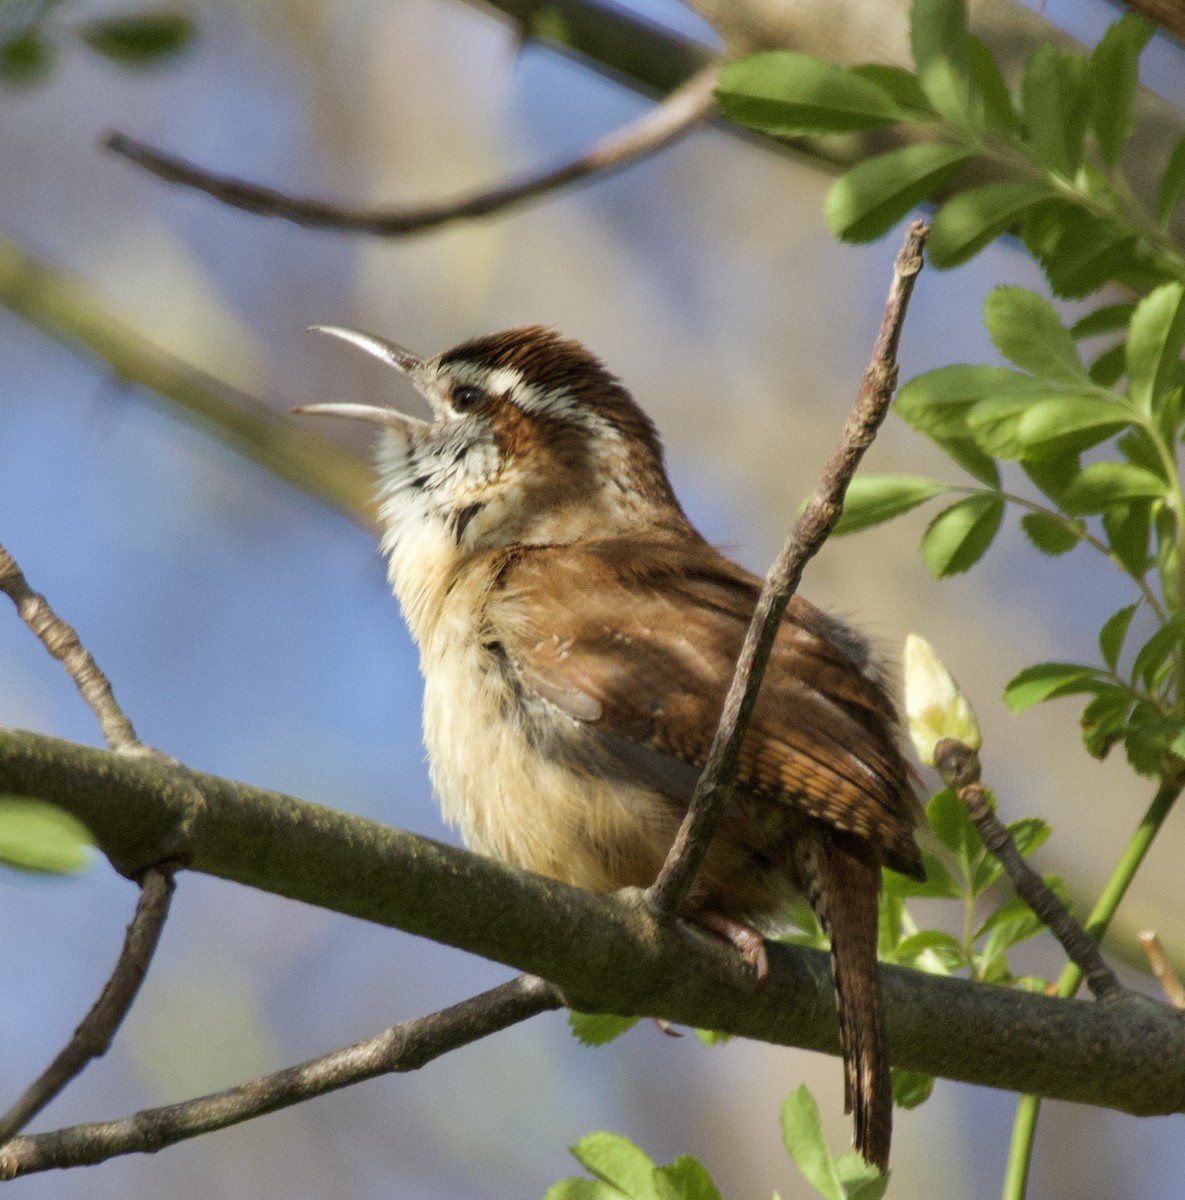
x=466, y=397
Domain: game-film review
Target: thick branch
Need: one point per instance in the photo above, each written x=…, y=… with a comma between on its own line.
x=686, y=107
x=404, y=1047
x=606, y=953
x=822, y=511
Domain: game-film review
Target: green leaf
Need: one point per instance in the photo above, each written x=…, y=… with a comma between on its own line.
x=873, y=499
x=1029, y=333
x=1104, y=719
x=803, y=1134
x=938, y=37
x=1078, y=250
x=968, y=221
x=140, y=39
x=1068, y=424
x=618, y=1162
x=899, y=85
x=26, y=59
x=1108, y=368
x=860, y=1180
x=972, y=459
x=1053, y=95
x=939, y=883
x=787, y=94
x=1172, y=185
x=1052, y=474
x=1103, y=484
x=1128, y=527
x=580, y=1188
x=1114, y=71
x=36, y=836
x=1051, y=535
x=999, y=113
x=867, y=201
x=595, y=1029
x=1113, y=632
x=1154, y=341
x=934, y=942
x=938, y=402
x=685, y=1179
x=1029, y=833
x=995, y=425
x=911, y=1088
x=1103, y=320
x=959, y=536
x=1167, y=640
x=1045, y=681
x=947, y=817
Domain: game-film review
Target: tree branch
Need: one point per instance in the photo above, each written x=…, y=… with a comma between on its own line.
x=822, y=511
x=605, y=953
x=685, y=108
x=61, y=640
x=404, y=1047
x=959, y=766
x=93, y=1037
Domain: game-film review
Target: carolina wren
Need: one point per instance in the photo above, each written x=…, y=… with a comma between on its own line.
x=577, y=636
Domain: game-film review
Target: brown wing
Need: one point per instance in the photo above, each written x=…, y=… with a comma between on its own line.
x=645, y=658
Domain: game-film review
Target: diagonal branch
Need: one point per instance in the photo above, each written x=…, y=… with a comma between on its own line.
x=404, y=1047
x=61, y=640
x=959, y=766
x=715, y=785
x=685, y=108
x=93, y=1037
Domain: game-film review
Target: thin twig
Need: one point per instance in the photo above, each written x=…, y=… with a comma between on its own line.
x=61, y=640
x=809, y=533
x=94, y=1035
x=1170, y=981
x=403, y=1047
x=959, y=767
x=685, y=108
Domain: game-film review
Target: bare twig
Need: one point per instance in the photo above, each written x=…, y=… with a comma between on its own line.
x=1170, y=982
x=681, y=111
x=62, y=642
x=809, y=533
x=93, y=1037
x=404, y=1047
x=959, y=766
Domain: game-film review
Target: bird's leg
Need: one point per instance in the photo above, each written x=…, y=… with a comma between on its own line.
x=748, y=942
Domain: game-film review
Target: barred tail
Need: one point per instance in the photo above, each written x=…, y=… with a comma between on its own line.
x=841, y=876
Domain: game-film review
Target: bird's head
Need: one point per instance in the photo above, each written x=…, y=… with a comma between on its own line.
x=531, y=441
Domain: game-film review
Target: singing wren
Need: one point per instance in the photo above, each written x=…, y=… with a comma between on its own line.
x=577, y=636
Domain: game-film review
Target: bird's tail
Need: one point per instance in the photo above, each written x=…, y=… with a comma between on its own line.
x=841, y=876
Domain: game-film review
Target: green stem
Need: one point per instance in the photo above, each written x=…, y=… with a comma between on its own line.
x=1024, y=1126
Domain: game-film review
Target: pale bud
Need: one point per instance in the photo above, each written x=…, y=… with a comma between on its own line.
x=934, y=706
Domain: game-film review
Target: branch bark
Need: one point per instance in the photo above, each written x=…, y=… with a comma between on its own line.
x=605, y=953
x=404, y=1047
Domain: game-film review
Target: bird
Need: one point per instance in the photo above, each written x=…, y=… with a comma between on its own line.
x=577, y=635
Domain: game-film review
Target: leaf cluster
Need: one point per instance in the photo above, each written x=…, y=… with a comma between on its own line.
x=1054, y=141
x=622, y=1171
x=32, y=37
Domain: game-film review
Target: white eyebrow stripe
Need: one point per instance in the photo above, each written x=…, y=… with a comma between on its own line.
x=554, y=402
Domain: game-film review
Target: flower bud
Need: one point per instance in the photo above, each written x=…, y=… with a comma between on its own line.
x=934, y=706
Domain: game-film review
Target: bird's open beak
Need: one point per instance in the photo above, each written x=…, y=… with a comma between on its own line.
x=388, y=352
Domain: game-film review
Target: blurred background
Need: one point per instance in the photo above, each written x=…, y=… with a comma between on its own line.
x=249, y=631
